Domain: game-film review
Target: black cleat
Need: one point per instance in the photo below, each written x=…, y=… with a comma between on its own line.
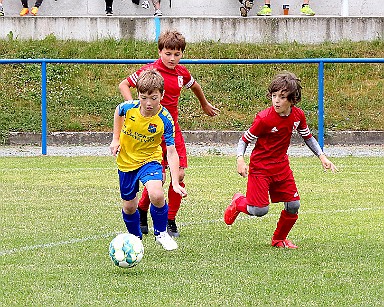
x=172, y=229
x=143, y=221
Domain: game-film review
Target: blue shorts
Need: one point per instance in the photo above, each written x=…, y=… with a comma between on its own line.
x=129, y=181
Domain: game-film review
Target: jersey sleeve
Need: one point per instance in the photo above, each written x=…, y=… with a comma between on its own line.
x=303, y=128
x=132, y=79
x=169, y=127
x=127, y=105
x=254, y=131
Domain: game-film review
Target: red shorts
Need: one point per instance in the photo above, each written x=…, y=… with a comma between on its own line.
x=180, y=148
x=280, y=188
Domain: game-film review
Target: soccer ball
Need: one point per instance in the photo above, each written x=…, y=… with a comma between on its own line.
x=126, y=250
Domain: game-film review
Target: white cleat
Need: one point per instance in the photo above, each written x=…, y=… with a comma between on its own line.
x=165, y=240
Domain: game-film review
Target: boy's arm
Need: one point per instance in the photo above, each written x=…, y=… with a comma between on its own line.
x=327, y=164
x=118, y=122
x=205, y=105
x=125, y=90
x=242, y=167
x=315, y=148
x=173, y=161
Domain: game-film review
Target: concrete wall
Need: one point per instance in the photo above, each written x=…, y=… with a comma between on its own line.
x=198, y=20
x=345, y=138
x=197, y=7
x=277, y=29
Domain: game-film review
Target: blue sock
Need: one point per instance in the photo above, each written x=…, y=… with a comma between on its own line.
x=159, y=218
x=132, y=222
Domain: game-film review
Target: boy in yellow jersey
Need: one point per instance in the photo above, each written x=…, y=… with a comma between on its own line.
x=139, y=126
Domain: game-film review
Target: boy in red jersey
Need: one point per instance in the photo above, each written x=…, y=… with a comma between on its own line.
x=171, y=45
x=269, y=173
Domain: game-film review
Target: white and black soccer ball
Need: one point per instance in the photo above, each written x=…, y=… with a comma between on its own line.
x=126, y=250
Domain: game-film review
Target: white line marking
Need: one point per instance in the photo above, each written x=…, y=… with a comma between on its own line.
x=54, y=244
x=102, y=236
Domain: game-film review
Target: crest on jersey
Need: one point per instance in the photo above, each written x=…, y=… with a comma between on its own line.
x=180, y=81
x=152, y=128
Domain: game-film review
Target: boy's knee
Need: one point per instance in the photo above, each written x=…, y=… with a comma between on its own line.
x=157, y=198
x=129, y=207
x=257, y=211
x=292, y=206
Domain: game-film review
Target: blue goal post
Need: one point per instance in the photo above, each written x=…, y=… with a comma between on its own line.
x=319, y=61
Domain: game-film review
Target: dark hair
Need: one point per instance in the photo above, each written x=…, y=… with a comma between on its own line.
x=149, y=81
x=287, y=82
x=173, y=40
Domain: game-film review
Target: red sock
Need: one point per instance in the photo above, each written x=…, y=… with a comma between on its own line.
x=241, y=204
x=144, y=200
x=284, y=225
x=174, y=201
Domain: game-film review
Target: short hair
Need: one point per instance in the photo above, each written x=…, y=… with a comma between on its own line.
x=173, y=40
x=288, y=82
x=149, y=81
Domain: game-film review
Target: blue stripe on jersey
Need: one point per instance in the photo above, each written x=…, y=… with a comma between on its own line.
x=127, y=105
x=169, y=128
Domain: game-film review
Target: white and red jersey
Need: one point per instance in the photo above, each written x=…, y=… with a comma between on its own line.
x=273, y=133
x=174, y=81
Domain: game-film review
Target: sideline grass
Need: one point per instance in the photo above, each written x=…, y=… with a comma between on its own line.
x=58, y=215
x=83, y=97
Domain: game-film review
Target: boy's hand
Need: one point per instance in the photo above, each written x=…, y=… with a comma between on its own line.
x=179, y=189
x=242, y=167
x=327, y=164
x=114, y=147
x=210, y=109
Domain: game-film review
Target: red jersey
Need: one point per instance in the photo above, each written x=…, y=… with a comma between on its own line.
x=174, y=80
x=273, y=133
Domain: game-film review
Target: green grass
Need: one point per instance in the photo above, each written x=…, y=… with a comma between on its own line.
x=83, y=97
x=58, y=215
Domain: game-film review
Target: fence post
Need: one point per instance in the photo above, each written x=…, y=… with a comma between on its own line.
x=320, y=121
x=43, y=107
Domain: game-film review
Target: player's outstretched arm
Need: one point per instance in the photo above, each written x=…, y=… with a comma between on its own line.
x=118, y=122
x=208, y=108
x=327, y=164
x=173, y=161
x=242, y=167
x=315, y=148
x=125, y=90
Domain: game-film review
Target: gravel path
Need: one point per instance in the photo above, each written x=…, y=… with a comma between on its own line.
x=193, y=150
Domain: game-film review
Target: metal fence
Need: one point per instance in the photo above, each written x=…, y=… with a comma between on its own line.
x=319, y=61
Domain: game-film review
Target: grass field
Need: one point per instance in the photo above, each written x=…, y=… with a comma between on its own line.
x=58, y=215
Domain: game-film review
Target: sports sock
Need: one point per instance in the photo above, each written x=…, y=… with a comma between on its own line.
x=284, y=225
x=159, y=218
x=132, y=222
x=174, y=201
x=144, y=200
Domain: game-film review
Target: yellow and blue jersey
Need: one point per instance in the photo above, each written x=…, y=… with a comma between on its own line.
x=140, y=136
